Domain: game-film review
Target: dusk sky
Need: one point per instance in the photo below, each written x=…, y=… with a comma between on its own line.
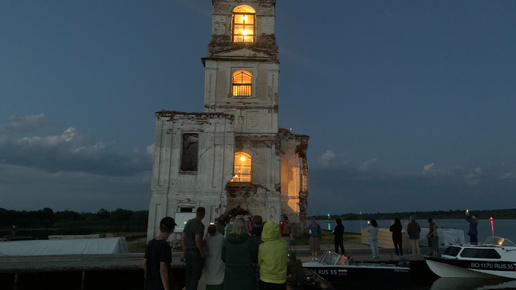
x=409, y=104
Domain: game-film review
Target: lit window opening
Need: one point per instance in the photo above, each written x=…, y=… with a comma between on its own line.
x=242, y=81
x=242, y=170
x=243, y=24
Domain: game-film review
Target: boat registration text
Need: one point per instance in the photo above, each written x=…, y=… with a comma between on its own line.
x=493, y=266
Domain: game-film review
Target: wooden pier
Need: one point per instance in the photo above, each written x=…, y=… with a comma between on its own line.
x=81, y=272
x=124, y=271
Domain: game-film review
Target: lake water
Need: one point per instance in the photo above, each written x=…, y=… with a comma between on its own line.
x=502, y=228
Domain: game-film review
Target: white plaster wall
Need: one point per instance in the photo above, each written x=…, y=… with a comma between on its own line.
x=267, y=24
x=255, y=114
x=172, y=189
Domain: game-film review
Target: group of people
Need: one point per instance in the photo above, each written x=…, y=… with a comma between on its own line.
x=244, y=254
x=314, y=230
x=414, y=231
x=248, y=252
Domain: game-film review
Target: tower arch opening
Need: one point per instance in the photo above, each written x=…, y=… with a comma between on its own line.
x=244, y=20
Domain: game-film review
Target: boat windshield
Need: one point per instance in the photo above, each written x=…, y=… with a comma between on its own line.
x=452, y=251
x=498, y=242
x=330, y=258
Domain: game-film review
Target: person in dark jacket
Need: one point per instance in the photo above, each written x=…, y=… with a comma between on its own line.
x=256, y=233
x=239, y=252
x=396, y=229
x=158, y=256
x=338, y=232
x=414, y=231
x=473, y=223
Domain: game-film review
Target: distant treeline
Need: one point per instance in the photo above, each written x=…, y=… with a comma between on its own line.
x=47, y=218
x=137, y=220
x=423, y=215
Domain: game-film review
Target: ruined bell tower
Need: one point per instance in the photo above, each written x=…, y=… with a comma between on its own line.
x=241, y=79
x=233, y=154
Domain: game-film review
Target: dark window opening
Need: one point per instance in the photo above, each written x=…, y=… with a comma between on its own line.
x=189, y=156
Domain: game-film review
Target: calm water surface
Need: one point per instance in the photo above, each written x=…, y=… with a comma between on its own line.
x=502, y=228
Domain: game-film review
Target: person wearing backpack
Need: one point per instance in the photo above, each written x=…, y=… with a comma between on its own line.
x=286, y=230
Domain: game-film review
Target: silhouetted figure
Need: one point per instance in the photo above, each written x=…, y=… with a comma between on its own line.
x=286, y=230
x=396, y=229
x=213, y=265
x=158, y=256
x=472, y=232
x=433, y=238
x=338, y=232
x=192, y=243
x=414, y=230
x=239, y=253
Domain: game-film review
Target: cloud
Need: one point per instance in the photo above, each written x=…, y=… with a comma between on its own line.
x=68, y=170
x=476, y=176
x=71, y=151
x=26, y=188
x=509, y=175
x=327, y=158
x=150, y=150
x=428, y=167
x=367, y=164
x=345, y=188
x=67, y=136
x=24, y=124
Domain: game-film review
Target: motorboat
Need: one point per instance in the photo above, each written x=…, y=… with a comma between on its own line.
x=338, y=269
x=496, y=257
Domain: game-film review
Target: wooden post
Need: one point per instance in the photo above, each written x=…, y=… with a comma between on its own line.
x=16, y=280
x=83, y=280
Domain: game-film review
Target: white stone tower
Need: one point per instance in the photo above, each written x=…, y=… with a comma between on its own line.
x=233, y=154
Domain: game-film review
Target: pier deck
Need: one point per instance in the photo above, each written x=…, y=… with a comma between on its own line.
x=123, y=271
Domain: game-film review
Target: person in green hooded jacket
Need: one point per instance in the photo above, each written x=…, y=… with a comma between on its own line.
x=272, y=258
x=239, y=252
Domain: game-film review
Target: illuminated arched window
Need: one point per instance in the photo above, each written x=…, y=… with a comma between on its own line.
x=242, y=81
x=243, y=24
x=242, y=171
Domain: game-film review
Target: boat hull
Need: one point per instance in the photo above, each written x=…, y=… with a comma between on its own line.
x=337, y=274
x=455, y=268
